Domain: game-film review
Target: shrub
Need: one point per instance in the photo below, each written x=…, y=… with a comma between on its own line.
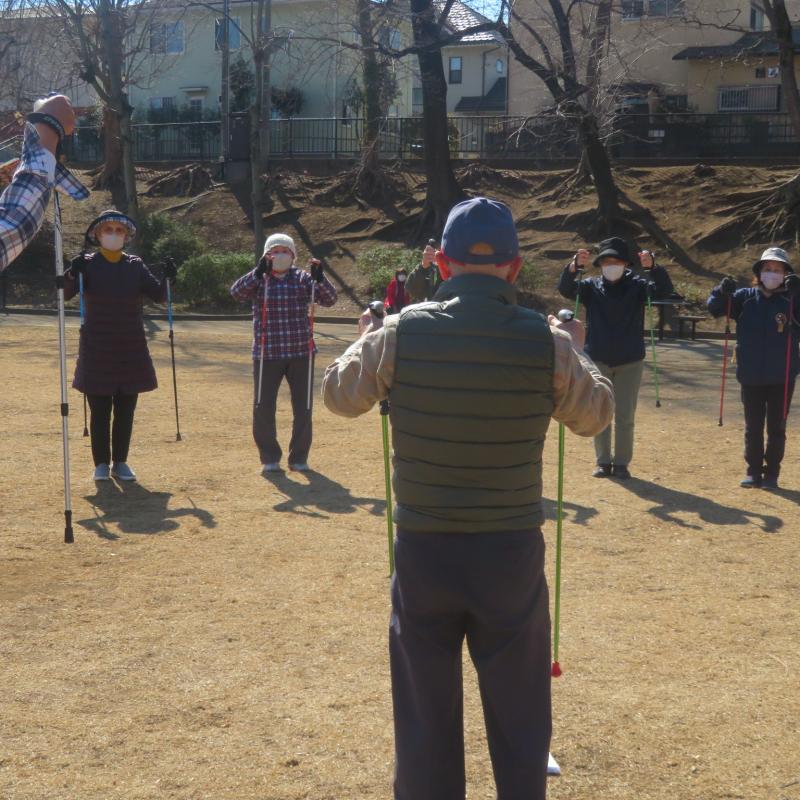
x=378, y=265
x=529, y=276
x=206, y=279
x=160, y=235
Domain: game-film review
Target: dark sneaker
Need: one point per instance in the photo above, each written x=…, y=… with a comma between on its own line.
x=602, y=471
x=751, y=482
x=620, y=471
x=768, y=482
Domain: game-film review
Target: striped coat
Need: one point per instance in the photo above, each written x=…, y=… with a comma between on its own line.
x=113, y=356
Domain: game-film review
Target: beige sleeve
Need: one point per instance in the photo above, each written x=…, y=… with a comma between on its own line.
x=584, y=399
x=363, y=375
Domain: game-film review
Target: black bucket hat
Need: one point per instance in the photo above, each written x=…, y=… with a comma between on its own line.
x=615, y=247
x=110, y=215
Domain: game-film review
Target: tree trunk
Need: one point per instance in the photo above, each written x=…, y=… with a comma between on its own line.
x=443, y=191
x=110, y=177
x=600, y=166
x=782, y=28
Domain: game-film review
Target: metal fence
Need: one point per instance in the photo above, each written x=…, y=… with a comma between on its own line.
x=643, y=136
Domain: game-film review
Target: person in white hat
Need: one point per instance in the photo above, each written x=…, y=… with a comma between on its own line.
x=767, y=358
x=281, y=294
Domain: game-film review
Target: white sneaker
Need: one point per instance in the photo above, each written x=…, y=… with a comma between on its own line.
x=273, y=466
x=121, y=471
x=299, y=467
x=101, y=473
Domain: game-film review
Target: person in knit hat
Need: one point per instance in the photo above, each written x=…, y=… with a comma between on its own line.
x=767, y=359
x=287, y=292
x=614, y=303
x=472, y=379
x=114, y=365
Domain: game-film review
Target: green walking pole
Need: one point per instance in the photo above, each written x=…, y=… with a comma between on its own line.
x=565, y=315
x=388, y=478
x=653, y=345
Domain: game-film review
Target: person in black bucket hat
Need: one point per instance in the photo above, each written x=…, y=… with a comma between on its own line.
x=615, y=302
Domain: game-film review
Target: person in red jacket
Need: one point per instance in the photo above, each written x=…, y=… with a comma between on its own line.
x=114, y=364
x=396, y=296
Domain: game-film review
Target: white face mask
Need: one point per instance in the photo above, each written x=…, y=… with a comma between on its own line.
x=282, y=261
x=771, y=280
x=401, y=278
x=112, y=241
x=613, y=272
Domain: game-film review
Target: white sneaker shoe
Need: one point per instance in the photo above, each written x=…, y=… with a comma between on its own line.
x=273, y=466
x=123, y=472
x=303, y=467
x=101, y=473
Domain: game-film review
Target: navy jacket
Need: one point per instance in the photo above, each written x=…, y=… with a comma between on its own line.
x=760, y=346
x=615, y=312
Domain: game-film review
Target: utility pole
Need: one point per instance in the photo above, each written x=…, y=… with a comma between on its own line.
x=225, y=98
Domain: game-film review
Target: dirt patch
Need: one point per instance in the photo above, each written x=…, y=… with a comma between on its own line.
x=212, y=634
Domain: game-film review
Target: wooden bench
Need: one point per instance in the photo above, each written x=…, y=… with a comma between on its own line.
x=688, y=319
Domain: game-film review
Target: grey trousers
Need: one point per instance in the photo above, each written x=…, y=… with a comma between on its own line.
x=295, y=370
x=626, y=380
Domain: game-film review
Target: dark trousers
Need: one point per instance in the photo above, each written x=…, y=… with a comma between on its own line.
x=111, y=442
x=295, y=370
x=764, y=403
x=491, y=590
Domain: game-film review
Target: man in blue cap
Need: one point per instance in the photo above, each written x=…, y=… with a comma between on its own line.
x=473, y=380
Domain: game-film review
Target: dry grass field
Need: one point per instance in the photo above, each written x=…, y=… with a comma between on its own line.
x=212, y=635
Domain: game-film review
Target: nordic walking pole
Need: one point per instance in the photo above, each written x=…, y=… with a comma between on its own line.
x=80, y=289
x=263, y=340
x=311, y=345
x=653, y=346
x=172, y=351
x=725, y=357
x=564, y=315
x=62, y=347
x=788, y=361
x=384, y=406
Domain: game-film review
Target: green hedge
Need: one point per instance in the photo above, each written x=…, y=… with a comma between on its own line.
x=206, y=280
x=378, y=265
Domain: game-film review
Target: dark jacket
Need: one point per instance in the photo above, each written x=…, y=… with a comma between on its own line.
x=423, y=282
x=615, y=312
x=760, y=345
x=113, y=356
x=470, y=403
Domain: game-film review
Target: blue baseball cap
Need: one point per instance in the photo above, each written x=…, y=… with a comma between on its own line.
x=480, y=231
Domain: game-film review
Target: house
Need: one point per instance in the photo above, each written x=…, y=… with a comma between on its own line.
x=663, y=53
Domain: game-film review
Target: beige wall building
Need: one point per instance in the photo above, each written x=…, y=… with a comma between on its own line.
x=678, y=52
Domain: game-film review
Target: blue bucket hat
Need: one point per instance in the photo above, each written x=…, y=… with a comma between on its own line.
x=111, y=215
x=480, y=231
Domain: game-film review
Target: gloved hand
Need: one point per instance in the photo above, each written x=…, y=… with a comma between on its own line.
x=792, y=284
x=728, y=286
x=77, y=267
x=170, y=270
x=264, y=266
x=317, y=270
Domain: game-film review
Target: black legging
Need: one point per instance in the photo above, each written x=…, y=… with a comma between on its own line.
x=111, y=442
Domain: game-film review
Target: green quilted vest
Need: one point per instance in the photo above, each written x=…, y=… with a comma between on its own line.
x=470, y=402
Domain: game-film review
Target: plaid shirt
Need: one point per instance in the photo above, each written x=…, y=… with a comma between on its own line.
x=288, y=299
x=23, y=203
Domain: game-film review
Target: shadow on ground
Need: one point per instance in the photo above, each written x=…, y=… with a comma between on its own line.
x=669, y=503
x=131, y=508
x=314, y=495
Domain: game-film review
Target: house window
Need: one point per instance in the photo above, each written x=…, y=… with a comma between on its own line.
x=666, y=8
x=416, y=97
x=234, y=33
x=166, y=37
x=499, y=66
x=162, y=103
x=391, y=38
x=196, y=107
x=455, y=69
x=761, y=72
x=756, y=19
x=749, y=98
x=632, y=9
